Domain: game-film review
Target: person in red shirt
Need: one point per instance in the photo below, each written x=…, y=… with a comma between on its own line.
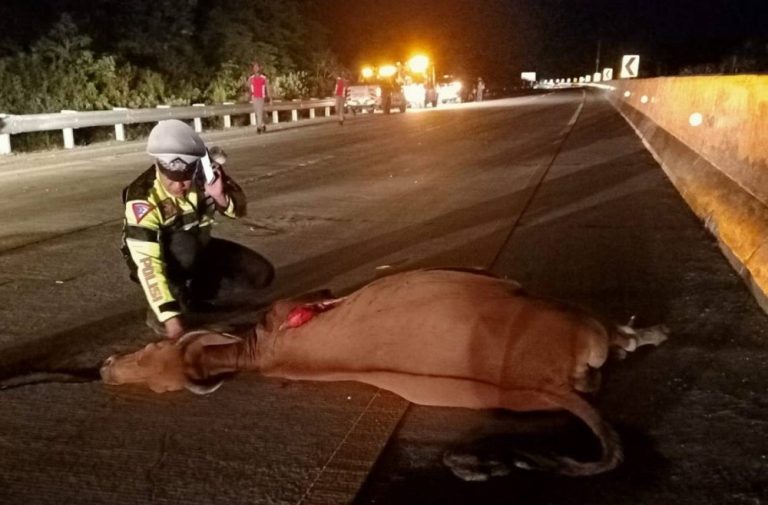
x=340, y=92
x=258, y=86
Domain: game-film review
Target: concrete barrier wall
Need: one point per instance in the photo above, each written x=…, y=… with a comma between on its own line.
x=710, y=134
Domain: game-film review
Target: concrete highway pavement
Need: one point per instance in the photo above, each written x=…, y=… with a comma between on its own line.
x=554, y=190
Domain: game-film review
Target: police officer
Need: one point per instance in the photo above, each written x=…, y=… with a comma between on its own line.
x=166, y=240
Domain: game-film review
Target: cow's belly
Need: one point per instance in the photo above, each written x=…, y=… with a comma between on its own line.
x=480, y=331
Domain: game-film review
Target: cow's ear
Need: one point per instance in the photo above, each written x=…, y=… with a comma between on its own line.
x=193, y=343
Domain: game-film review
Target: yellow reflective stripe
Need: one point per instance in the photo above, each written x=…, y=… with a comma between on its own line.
x=230, y=210
x=165, y=315
x=151, y=274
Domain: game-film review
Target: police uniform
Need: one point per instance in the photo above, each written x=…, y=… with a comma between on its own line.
x=166, y=239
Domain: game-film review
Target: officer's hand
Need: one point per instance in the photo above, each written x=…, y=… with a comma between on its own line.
x=216, y=189
x=174, y=328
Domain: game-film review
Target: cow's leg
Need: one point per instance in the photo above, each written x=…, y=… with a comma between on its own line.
x=627, y=339
x=586, y=379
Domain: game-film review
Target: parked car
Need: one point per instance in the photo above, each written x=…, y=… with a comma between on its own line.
x=449, y=90
x=370, y=97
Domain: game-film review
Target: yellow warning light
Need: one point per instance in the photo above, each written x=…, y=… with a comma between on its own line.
x=367, y=72
x=418, y=64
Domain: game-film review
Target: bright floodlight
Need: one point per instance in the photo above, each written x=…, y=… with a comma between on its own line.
x=367, y=72
x=418, y=64
x=387, y=70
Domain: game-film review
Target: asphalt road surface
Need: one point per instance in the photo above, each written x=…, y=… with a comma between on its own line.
x=554, y=190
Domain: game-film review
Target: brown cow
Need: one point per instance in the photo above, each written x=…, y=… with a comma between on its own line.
x=447, y=338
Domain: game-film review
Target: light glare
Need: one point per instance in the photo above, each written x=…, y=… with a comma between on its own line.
x=387, y=70
x=418, y=64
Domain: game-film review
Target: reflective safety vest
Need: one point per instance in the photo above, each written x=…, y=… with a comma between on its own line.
x=151, y=215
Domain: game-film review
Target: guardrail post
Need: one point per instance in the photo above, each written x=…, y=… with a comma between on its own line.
x=227, y=117
x=198, y=122
x=275, y=118
x=119, y=129
x=162, y=106
x=294, y=115
x=311, y=113
x=327, y=111
x=69, y=136
x=5, y=139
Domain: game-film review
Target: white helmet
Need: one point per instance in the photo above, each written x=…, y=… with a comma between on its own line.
x=176, y=147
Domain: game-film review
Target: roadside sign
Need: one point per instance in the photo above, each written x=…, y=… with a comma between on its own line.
x=607, y=74
x=528, y=76
x=630, y=66
x=596, y=77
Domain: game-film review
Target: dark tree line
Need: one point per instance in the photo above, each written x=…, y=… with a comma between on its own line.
x=97, y=54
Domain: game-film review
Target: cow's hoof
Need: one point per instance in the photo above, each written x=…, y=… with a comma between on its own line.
x=471, y=468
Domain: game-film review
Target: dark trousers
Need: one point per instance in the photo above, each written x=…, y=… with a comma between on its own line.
x=198, y=269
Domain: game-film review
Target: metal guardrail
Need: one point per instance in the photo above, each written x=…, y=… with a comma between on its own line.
x=67, y=121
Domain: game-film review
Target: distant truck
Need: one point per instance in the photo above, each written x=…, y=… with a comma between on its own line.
x=374, y=96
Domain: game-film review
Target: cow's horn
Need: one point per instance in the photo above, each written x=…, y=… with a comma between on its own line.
x=204, y=388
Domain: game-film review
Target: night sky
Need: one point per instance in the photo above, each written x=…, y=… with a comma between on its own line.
x=556, y=38
x=500, y=38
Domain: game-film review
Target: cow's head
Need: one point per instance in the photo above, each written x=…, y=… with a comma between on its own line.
x=167, y=365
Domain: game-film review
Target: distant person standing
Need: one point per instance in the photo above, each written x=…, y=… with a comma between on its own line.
x=257, y=84
x=480, y=89
x=340, y=92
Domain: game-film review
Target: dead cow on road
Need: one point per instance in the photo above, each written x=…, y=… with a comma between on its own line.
x=446, y=338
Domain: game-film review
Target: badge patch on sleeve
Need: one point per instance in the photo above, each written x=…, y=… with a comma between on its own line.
x=140, y=209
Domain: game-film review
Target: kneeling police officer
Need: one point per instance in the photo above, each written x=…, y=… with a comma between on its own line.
x=166, y=240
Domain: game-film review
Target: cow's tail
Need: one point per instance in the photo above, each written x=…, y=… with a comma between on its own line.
x=610, y=443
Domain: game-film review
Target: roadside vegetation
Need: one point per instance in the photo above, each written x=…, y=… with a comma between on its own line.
x=100, y=54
